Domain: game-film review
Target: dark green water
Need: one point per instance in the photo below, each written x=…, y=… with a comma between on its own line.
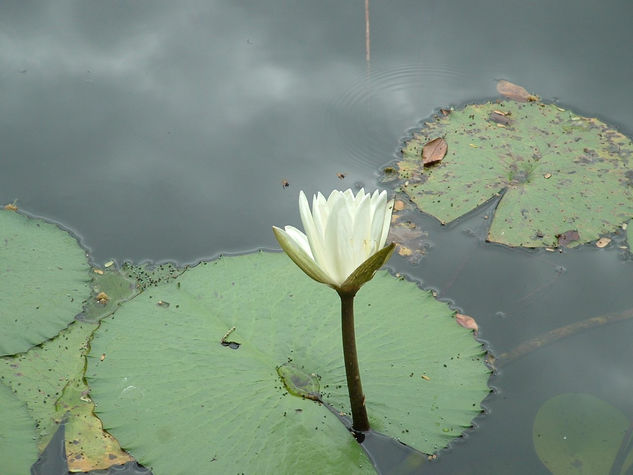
x=163, y=131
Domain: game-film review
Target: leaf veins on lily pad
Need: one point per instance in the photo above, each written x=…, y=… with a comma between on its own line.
x=553, y=170
x=44, y=280
x=182, y=402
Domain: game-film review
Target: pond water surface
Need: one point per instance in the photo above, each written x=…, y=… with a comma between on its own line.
x=164, y=131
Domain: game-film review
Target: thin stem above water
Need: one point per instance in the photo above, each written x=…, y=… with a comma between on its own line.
x=360, y=421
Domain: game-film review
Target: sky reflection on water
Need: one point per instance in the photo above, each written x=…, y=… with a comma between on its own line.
x=163, y=131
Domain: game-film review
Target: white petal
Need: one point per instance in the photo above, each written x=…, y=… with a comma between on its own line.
x=312, y=232
x=379, y=205
x=339, y=225
x=361, y=240
x=299, y=238
x=386, y=224
x=299, y=257
x=320, y=213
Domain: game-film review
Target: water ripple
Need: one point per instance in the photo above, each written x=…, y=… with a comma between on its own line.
x=373, y=114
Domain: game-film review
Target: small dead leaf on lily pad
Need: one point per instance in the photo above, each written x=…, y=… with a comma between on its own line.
x=514, y=91
x=434, y=151
x=404, y=251
x=500, y=118
x=602, y=242
x=467, y=322
x=568, y=237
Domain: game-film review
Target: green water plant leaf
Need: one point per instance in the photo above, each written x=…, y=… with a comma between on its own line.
x=18, y=450
x=49, y=380
x=554, y=171
x=576, y=433
x=44, y=280
x=39, y=376
x=182, y=402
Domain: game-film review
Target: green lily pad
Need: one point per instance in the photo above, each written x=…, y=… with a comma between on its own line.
x=577, y=434
x=49, y=380
x=17, y=433
x=554, y=171
x=181, y=401
x=44, y=280
x=39, y=376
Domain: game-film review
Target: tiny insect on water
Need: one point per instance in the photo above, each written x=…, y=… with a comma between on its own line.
x=284, y=183
x=340, y=175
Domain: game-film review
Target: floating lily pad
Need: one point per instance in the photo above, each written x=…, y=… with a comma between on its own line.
x=553, y=171
x=39, y=376
x=579, y=434
x=49, y=380
x=44, y=280
x=182, y=402
x=17, y=433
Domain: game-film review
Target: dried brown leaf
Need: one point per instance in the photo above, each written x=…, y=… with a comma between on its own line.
x=467, y=322
x=404, y=251
x=434, y=151
x=602, y=242
x=514, y=91
x=500, y=118
x=102, y=298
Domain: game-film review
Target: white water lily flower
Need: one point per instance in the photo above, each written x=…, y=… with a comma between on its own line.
x=344, y=240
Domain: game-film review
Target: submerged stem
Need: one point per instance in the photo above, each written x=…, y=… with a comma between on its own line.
x=360, y=422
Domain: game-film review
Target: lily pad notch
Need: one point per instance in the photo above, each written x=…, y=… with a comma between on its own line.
x=558, y=174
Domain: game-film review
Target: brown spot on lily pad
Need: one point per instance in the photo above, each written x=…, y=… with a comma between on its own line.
x=566, y=238
x=602, y=242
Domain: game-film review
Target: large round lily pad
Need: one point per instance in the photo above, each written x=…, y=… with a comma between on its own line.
x=172, y=385
x=18, y=450
x=44, y=281
x=556, y=172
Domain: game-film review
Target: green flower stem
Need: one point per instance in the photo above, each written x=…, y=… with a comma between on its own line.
x=360, y=422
